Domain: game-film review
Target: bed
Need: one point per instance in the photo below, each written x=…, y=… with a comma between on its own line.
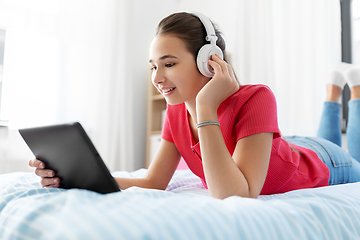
x=183, y=211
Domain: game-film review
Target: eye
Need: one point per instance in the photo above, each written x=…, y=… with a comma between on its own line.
x=169, y=64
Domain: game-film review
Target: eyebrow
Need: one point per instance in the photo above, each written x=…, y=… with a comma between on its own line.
x=164, y=57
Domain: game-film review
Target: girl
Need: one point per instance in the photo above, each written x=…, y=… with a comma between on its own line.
x=228, y=133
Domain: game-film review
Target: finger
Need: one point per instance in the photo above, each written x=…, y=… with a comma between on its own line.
x=50, y=182
x=230, y=71
x=44, y=172
x=222, y=63
x=215, y=66
x=51, y=186
x=36, y=163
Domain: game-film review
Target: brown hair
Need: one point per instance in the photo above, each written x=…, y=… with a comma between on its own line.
x=190, y=29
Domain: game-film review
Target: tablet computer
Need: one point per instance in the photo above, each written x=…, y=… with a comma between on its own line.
x=68, y=150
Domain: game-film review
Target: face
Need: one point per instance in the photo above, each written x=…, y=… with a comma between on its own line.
x=174, y=70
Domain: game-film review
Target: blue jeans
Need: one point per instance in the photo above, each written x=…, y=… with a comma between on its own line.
x=344, y=167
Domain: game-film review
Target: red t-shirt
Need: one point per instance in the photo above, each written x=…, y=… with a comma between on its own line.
x=250, y=110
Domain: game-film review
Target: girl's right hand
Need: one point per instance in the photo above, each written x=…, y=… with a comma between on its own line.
x=221, y=86
x=47, y=176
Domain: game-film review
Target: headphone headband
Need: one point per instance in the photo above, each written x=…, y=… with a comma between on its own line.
x=210, y=31
x=207, y=50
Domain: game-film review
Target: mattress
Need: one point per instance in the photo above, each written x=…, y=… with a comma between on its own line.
x=185, y=210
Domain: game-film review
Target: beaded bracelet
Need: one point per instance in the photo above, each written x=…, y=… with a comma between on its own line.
x=207, y=123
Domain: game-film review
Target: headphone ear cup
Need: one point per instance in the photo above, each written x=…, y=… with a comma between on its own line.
x=203, y=57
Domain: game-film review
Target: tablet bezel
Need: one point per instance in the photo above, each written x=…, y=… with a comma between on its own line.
x=68, y=150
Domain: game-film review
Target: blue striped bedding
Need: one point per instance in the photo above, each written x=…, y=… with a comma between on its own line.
x=184, y=211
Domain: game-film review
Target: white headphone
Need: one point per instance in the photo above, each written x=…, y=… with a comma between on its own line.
x=207, y=50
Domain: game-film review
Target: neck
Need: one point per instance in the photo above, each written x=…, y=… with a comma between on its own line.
x=191, y=107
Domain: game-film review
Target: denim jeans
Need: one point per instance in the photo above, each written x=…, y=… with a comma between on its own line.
x=344, y=167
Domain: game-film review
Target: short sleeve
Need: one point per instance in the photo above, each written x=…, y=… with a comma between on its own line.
x=258, y=114
x=166, y=130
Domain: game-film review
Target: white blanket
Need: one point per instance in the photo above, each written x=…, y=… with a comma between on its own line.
x=184, y=211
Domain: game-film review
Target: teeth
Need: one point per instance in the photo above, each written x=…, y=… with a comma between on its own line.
x=168, y=90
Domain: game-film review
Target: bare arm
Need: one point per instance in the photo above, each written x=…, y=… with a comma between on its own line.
x=160, y=171
x=244, y=172
x=158, y=176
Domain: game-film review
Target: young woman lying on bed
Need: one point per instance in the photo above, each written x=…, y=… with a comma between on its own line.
x=227, y=132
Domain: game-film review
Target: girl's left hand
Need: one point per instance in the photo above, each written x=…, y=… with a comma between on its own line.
x=220, y=87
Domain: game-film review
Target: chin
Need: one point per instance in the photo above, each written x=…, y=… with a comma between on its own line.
x=172, y=102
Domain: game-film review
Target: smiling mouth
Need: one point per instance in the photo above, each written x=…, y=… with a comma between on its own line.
x=168, y=90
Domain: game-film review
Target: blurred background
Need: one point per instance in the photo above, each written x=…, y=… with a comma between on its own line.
x=87, y=61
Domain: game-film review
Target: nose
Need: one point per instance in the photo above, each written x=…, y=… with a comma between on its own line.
x=158, y=77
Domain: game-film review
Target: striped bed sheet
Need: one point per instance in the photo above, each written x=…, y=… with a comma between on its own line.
x=184, y=210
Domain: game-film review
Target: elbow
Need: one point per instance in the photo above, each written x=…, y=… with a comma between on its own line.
x=160, y=188
x=222, y=197
x=255, y=195
x=245, y=193
x=159, y=185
